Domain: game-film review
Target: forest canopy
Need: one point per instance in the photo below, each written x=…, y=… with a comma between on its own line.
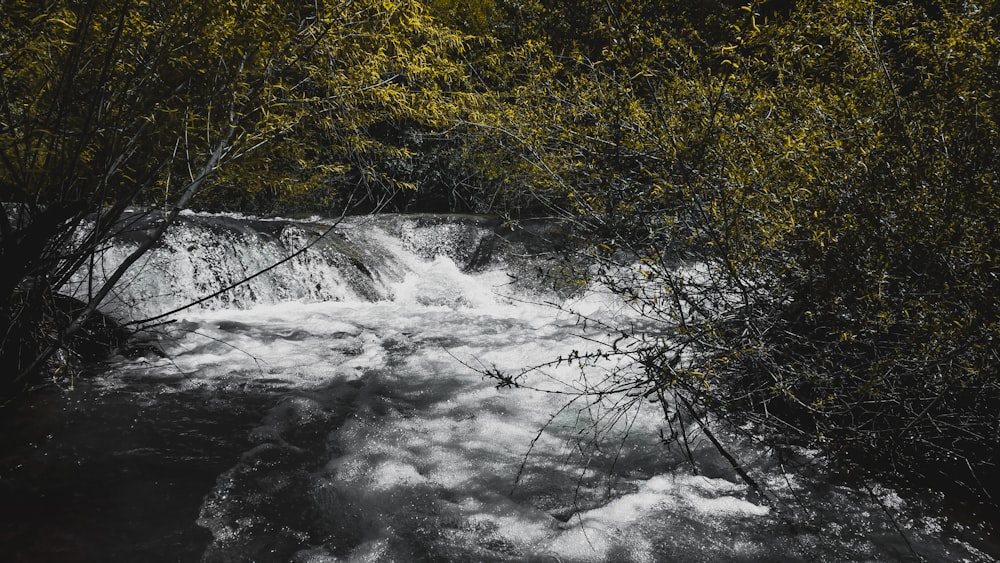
x=809, y=188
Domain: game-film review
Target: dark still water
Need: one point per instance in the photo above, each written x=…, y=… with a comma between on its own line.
x=100, y=474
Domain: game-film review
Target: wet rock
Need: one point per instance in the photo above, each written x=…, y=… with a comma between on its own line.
x=97, y=338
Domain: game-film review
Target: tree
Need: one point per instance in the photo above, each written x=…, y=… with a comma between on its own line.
x=802, y=194
x=105, y=105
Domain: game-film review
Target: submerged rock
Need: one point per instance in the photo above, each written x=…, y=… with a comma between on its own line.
x=36, y=321
x=98, y=338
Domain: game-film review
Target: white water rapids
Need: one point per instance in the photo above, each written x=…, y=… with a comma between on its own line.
x=380, y=439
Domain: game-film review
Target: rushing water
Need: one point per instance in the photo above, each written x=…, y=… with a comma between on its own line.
x=335, y=410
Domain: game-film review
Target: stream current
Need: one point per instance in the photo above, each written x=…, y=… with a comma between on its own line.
x=335, y=409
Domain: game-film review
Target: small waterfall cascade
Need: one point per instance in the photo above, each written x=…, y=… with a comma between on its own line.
x=364, y=258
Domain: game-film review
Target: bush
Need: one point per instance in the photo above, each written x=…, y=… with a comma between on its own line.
x=827, y=176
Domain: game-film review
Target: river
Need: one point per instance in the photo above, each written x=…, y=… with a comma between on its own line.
x=335, y=409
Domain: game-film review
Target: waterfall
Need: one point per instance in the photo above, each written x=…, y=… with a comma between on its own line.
x=360, y=259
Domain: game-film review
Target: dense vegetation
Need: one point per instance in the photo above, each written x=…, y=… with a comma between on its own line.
x=810, y=187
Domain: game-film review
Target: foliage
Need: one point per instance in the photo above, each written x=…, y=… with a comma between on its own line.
x=386, y=76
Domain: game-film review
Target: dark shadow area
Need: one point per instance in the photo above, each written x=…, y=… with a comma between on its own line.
x=116, y=474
